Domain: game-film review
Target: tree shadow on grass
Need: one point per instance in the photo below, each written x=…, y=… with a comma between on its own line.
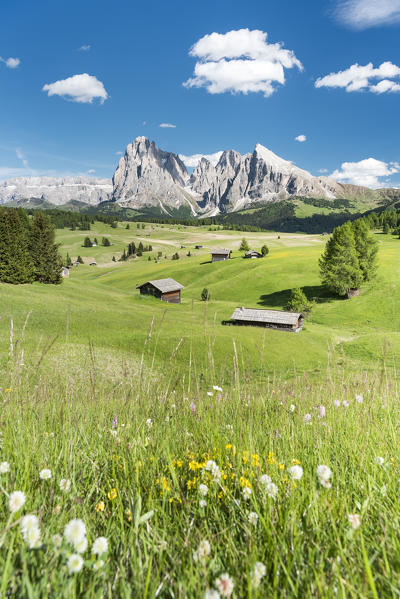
x=318, y=293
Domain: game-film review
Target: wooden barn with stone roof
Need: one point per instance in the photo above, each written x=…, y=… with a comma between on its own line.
x=167, y=290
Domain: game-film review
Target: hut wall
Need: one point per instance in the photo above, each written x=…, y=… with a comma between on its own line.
x=219, y=257
x=150, y=290
x=173, y=297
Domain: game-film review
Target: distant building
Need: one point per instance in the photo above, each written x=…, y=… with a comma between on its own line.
x=167, y=290
x=94, y=244
x=274, y=319
x=92, y=263
x=64, y=272
x=76, y=263
x=198, y=247
x=253, y=254
x=220, y=254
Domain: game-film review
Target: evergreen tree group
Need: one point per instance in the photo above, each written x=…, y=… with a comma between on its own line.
x=28, y=251
x=349, y=258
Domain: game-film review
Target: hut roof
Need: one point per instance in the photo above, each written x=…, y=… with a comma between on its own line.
x=221, y=251
x=269, y=316
x=252, y=253
x=163, y=285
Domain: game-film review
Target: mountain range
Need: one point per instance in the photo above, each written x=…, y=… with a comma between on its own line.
x=150, y=179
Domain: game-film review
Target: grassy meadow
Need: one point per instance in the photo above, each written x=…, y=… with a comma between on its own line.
x=169, y=440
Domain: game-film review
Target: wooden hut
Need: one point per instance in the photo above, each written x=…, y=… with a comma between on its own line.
x=274, y=319
x=220, y=254
x=167, y=290
x=64, y=272
x=253, y=254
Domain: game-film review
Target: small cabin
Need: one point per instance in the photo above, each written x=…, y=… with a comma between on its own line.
x=65, y=272
x=253, y=254
x=220, y=254
x=92, y=263
x=273, y=319
x=167, y=290
x=94, y=244
x=198, y=247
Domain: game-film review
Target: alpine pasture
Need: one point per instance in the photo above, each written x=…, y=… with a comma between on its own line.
x=207, y=460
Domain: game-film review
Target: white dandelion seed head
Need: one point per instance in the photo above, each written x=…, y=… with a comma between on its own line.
x=354, y=521
x=149, y=423
x=379, y=460
x=271, y=490
x=292, y=408
x=212, y=467
x=81, y=545
x=346, y=404
x=98, y=564
x=325, y=483
x=4, y=467
x=296, y=472
x=216, y=388
x=45, y=474
x=337, y=403
x=74, y=563
x=324, y=472
x=253, y=518
x=202, y=503
x=211, y=594
x=264, y=480
x=74, y=531
x=65, y=485
x=209, y=393
x=100, y=546
x=28, y=522
x=260, y=569
x=246, y=492
x=32, y=538
x=202, y=552
x=16, y=500
x=359, y=398
x=203, y=490
x=56, y=540
x=225, y=585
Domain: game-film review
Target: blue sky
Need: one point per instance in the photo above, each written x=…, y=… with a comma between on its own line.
x=136, y=57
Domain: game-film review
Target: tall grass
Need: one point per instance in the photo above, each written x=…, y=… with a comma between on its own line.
x=135, y=448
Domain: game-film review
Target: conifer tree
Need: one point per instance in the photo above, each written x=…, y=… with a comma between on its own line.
x=339, y=266
x=264, y=250
x=16, y=264
x=79, y=259
x=47, y=261
x=366, y=248
x=244, y=246
x=87, y=243
x=68, y=261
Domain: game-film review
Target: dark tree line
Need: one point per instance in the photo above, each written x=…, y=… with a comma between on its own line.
x=28, y=251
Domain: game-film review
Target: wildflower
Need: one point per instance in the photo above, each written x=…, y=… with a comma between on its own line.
x=209, y=393
x=346, y=404
x=80, y=545
x=264, y=480
x=149, y=423
x=246, y=492
x=307, y=418
x=211, y=594
x=258, y=574
x=202, y=552
x=292, y=408
x=100, y=507
x=32, y=538
x=193, y=407
x=203, y=490
x=98, y=564
x=100, y=546
x=321, y=412
x=45, y=474
x=212, y=467
x=253, y=518
x=75, y=531
x=114, y=421
x=271, y=490
x=16, y=501
x=65, y=485
x=28, y=523
x=337, y=403
x=380, y=461
x=296, y=472
x=75, y=563
x=323, y=472
x=354, y=520
x=359, y=398
x=4, y=467
x=202, y=503
x=112, y=494
x=57, y=540
x=225, y=585
x=216, y=388
x=325, y=483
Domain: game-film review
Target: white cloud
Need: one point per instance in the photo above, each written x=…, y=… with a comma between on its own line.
x=91, y=171
x=84, y=48
x=301, y=138
x=82, y=88
x=167, y=126
x=359, y=78
x=323, y=170
x=367, y=172
x=22, y=158
x=240, y=61
x=11, y=63
x=194, y=159
x=362, y=14
x=119, y=153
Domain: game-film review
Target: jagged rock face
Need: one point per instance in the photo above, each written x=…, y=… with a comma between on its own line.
x=88, y=190
x=148, y=176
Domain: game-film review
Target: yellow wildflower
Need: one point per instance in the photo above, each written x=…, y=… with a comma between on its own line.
x=128, y=514
x=112, y=494
x=100, y=507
